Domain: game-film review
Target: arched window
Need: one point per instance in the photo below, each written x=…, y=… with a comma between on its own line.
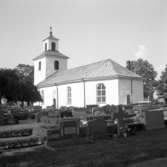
x=45, y=46
x=56, y=65
x=39, y=66
x=53, y=46
x=42, y=96
x=69, y=95
x=101, y=93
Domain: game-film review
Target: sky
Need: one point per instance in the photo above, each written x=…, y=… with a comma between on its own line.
x=89, y=30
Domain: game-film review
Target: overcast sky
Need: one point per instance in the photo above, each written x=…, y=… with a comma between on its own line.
x=89, y=30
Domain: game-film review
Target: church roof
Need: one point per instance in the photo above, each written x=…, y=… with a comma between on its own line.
x=51, y=53
x=106, y=69
x=51, y=35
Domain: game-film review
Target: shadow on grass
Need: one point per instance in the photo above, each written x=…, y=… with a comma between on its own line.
x=81, y=152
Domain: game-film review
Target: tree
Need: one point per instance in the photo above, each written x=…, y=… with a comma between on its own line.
x=146, y=70
x=17, y=87
x=8, y=84
x=25, y=71
x=162, y=84
x=26, y=75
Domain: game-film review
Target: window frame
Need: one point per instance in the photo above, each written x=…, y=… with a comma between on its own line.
x=56, y=65
x=46, y=47
x=42, y=96
x=53, y=46
x=100, y=93
x=69, y=95
x=39, y=66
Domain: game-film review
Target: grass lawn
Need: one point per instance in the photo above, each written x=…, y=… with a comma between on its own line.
x=106, y=152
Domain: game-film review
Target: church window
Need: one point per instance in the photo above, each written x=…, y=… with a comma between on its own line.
x=53, y=46
x=101, y=93
x=39, y=66
x=56, y=65
x=42, y=95
x=45, y=46
x=69, y=96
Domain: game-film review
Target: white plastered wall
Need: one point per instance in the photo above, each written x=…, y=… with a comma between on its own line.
x=77, y=92
x=116, y=93
x=50, y=65
x=50, y=93
x=138, y=91
x=90, y=93
x=111, y=91
x=39, y=75
x=134, y=88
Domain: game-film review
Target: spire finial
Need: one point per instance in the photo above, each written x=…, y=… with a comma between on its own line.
x=50, y=31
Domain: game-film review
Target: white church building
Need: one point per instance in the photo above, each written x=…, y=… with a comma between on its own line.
x=99, y=83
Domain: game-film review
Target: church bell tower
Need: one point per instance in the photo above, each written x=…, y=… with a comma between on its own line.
x=50, y=43
x=50, y=60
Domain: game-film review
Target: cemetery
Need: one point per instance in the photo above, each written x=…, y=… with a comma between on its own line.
x=39, y=129
x=83, y=83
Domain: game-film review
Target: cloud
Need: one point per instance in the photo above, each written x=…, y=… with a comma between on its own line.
x=159, y=70
x=141, y=52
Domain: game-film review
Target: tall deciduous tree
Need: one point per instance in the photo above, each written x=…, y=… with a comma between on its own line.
x=162, y=84
x=25, y=71
x=146, y=70
x=17, y=87
x=8, y=84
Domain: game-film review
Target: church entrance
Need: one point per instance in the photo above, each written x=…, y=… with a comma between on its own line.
x=128, y=99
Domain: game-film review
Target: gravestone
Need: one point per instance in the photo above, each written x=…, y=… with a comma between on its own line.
x=97, y=127
x=69, y=126
x=154, y=119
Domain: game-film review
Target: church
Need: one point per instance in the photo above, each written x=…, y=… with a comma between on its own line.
x=99, y=83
